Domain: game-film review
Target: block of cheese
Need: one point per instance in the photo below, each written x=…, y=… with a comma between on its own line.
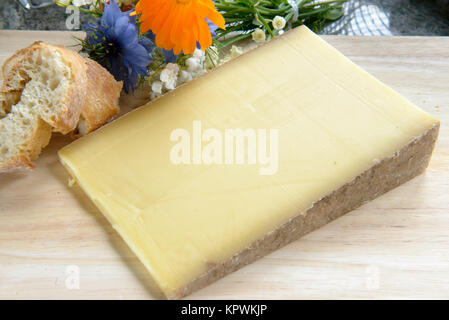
x=320, y=137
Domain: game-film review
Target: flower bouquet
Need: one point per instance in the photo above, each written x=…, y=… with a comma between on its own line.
x=166, y=43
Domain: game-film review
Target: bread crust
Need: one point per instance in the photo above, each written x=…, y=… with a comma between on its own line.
x=68, y=117
x=101, y=103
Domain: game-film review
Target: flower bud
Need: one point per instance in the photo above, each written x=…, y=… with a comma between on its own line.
x=259, y=35
x=279, y=23
x=156, y=87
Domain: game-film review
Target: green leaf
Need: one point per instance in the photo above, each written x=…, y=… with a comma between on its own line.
x=334, y=13
x=257, y=22
x=243, y=16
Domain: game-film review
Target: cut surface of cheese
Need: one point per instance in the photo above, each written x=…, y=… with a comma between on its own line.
x=342, y=138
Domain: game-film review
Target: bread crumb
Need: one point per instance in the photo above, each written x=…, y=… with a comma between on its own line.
x=71, y=182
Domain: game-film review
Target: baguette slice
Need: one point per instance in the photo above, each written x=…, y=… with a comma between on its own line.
x=50, y=80
x=49, y=89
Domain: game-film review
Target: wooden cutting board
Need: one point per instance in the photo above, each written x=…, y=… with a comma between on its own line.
x=55, y=244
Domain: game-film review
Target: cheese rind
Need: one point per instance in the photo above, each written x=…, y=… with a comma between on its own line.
x=340, y=131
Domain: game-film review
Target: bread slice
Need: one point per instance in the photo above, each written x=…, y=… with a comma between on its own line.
x=49, y=79
x=49, y=89
x=22, y=137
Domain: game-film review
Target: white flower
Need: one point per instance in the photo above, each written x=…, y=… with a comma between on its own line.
x=79, y=3
x=169, y=76
x=184, y=76
x=193, y=64
x=259, y=35
x=235, y=51
x=157, y=86
x=199, y=54
x=279, y=23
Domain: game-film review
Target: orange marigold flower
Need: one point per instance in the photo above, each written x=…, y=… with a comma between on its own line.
x=179, y=24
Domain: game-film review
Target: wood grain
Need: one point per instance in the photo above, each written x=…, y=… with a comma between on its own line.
x=394, y=247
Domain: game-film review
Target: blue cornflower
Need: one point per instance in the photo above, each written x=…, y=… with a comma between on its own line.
x=115, y=43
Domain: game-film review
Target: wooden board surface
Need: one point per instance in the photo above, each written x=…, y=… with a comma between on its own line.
x=55, y=244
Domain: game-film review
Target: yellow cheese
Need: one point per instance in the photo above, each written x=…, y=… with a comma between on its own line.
x=326, y=121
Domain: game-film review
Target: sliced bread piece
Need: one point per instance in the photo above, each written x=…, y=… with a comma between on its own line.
x=48, y=88
x=49, y=79
x=23, y=134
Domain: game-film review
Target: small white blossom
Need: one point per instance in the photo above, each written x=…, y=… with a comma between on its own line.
x=259, y=35
x=235, y=51
x=79, y=3
x=199, y=54
x=193, y=64
x=169, y=76
x=184, y=76
x=279, y=23
x=157, y=86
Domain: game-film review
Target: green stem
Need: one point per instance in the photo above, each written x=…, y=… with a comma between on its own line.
x=226, y=43
x=264, y=23
x=65, y=5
